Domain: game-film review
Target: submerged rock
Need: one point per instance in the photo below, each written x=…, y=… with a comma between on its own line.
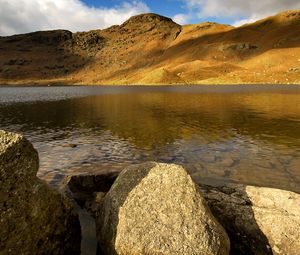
x=87, y=189
x=258, y=221
x=157, y=209
x=70, y=145
x=33, y=218
x=89, y=183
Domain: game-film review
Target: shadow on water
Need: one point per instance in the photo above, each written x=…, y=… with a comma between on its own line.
x=81, y=189
x=87, y=222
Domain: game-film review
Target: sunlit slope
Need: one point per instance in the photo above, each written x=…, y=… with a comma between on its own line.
x=151, y=49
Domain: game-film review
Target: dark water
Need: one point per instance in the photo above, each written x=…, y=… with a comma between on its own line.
x=223, y=134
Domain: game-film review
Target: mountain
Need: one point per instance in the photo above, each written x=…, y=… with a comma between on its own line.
x=152, y=49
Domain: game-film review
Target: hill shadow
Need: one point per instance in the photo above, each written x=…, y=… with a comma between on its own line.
x=45, y=54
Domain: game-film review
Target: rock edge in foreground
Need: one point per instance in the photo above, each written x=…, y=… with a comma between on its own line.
x=33, y=218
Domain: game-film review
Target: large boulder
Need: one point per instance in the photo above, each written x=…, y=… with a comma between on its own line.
x=258, y=220
x=33, y=218
x=156, y=209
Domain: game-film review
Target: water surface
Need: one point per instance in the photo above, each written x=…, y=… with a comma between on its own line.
x=221, y=134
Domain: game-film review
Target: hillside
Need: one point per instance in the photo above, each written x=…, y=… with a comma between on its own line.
x=151, y=49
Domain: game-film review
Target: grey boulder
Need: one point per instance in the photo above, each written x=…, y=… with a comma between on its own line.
x=157, y=209
x=33, y=218
x=258, y=220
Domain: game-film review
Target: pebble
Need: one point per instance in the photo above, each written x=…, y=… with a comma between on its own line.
x=227, y=162
x=70, y=145
x=285, y=159
x=263, y=163
x=208, y=158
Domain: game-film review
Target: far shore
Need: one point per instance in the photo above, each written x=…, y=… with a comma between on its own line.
x=58, y=84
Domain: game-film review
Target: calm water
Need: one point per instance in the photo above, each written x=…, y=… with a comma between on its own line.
x=223, y=134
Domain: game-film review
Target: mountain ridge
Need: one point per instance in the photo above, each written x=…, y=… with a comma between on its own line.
x=152, y=49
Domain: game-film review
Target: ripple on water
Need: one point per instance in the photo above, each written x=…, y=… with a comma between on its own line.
x=250, y=137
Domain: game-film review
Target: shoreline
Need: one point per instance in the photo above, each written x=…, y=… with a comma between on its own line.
x=147, y=85
x=169, y=88
x=230, y=219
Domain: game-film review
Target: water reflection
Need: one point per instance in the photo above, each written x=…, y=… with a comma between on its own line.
x=250, y=137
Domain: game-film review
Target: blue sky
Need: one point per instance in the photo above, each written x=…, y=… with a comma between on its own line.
x=23, y=16
x=168, y=8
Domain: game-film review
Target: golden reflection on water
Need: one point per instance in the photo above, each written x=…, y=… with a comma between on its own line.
x=249, y=137
x=153, y=119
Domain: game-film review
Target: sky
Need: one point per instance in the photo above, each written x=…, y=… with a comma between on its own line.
x=23, y=16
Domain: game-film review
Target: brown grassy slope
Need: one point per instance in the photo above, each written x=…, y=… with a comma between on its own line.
x=151, y=49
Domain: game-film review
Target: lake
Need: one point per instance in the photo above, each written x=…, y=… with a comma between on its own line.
x=221, y=134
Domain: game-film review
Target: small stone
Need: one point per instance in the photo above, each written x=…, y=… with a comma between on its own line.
x=263, y=164
x=70, y=145
x=208, y=158
x=285, y=159
x=228, y=162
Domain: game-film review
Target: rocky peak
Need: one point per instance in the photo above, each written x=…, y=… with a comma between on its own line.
x=50, y=37
x=41, y=37
x=88, y=40
x=147, y=18
x=148, y=22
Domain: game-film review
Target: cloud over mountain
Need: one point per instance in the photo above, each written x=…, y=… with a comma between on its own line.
x=21, y=16
x=238, y=11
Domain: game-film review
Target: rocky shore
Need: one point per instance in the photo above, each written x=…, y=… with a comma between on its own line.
x=151, y=208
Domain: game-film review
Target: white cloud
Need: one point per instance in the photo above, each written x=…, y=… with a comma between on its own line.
x=21, y=16
x=181, y=18
x=246, y=21
x=239, y=11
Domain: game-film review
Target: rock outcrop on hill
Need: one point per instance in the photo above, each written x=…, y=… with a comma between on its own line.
x=151, y=49
x=33, y=218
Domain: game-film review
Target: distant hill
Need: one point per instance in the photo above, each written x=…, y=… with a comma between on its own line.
x=151, y=49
